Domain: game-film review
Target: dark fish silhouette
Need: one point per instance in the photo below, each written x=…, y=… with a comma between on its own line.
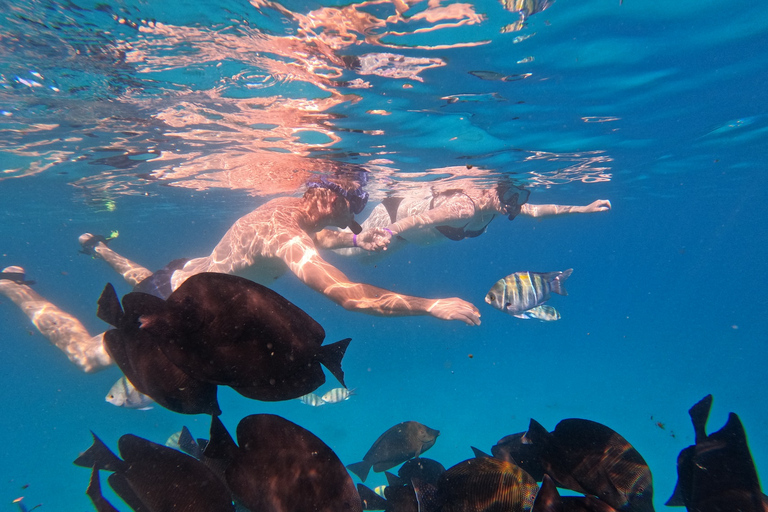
x=413, y=489
x=154, y=478
x=398, y=444
x=227, y=330
x=142, y=361
x=590, y=458
x=511, y=448
x=717, y=473
x=485, y=484
x=280, y=466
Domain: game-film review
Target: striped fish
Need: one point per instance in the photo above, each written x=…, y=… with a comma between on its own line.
x=312, y=399
x=544, y=313
x=337, y=395
x=522, y=291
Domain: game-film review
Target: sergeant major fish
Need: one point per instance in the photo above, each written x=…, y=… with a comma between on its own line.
x=123, y=394
x=544, y=313
x=522, y=291
x=337, y=395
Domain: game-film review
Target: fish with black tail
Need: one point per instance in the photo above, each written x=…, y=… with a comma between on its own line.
x=522, y=291
x=398, y=444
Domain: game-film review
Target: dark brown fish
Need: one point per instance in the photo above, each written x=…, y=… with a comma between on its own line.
x=280, y=466
x=511, y=448
x=549, y=500
x=230, y=331
x=590, y=458
x=155, y=478
x=717, y=473
x=141, y=360
x=398, y=444
x=485, y=484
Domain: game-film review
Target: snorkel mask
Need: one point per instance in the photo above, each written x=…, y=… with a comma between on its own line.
x=512, y=198
x=357, y=198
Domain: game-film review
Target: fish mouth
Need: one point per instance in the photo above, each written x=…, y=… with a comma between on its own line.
x=487, y=299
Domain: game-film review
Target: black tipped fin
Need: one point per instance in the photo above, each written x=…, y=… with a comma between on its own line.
x=94, y=492
x=99, y=456
x=536, y=433
x=361, y=469
x=221, y=445
x=699, y=414
x=371, y=500
x=480, y=454
x=331, y=355
x=109, y=308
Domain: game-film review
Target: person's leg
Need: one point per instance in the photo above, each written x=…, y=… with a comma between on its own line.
x=132, y=272
x=62, y=329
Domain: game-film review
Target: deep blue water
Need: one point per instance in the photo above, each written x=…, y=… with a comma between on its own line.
x=660, y=107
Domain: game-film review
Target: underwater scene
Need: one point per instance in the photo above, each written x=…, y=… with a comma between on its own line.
x=402, y=255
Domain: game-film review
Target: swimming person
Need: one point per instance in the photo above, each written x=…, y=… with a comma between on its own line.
x=455, y=211
x=275, y=237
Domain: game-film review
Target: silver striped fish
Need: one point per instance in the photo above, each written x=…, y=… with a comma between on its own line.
x=336, y=395
x=522, y=291
x=544, y=313
x=123, y=394
x=312, y=399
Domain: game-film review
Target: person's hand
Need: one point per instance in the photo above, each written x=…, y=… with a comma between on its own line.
x=455, y=309
x=374, y=239
x=601, y=205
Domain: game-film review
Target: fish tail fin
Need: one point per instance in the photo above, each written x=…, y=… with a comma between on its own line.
x=109, y=308
x=331, y=355
x=98, y=456
x=100, y=503
x=699, y=414
x=371, y=500
x=361, y=469
x=556, y=283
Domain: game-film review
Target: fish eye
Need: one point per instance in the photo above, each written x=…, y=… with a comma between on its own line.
x=491, y=296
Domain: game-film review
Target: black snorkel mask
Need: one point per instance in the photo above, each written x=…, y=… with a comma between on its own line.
x=357, y=198
x=512, y=198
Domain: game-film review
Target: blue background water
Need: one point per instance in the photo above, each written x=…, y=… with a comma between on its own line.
x=666, y=300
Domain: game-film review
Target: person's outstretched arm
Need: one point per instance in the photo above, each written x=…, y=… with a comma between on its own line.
x=302, y=258
x=545, y=210
x=374, y=239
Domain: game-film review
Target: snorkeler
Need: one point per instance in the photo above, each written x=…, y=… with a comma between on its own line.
x=275, y=237
x=453, y=212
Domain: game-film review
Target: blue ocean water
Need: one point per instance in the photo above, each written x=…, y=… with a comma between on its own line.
x=167, y=122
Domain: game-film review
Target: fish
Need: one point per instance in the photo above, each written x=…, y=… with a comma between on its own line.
x=183, y=440
x=485, y=483
x=522, y=291
x=337, y=395
x=138, y=355
x=278, y=465
x=312, y=399
x=717, y=472
x=399, y=443
x=227, y=330
x=124, y=394
x=154, y=478
x=512, y=448
x=591, y=458
x=544, y=313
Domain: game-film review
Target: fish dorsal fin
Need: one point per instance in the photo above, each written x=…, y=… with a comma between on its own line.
x=371, y=500
x=536, y=434
x=99, y=456
x=109, y=308
x=392, y=479
x=699, y=414
x=221, y=445
x=331, y=355
x=547, y=499
x=188, y=445
x=480, y=454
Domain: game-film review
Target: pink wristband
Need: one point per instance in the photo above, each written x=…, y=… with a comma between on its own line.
x=354, y=239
